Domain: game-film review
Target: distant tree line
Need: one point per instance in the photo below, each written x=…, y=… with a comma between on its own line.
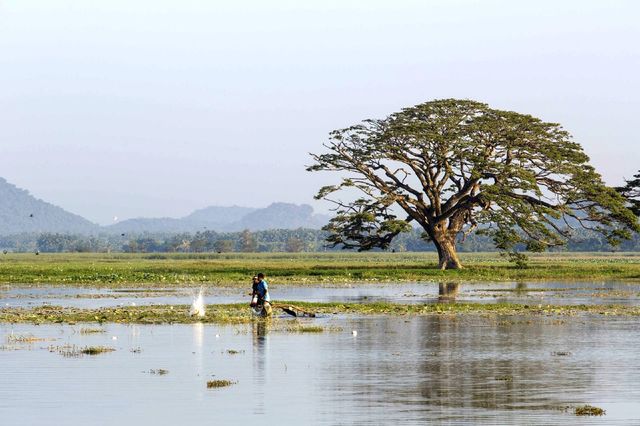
x=276, y=240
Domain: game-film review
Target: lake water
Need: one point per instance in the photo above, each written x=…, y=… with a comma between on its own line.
x=411, y=370
x=604, y=292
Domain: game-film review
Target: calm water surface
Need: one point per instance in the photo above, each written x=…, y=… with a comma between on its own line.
x=568, y=293
x=417, y=370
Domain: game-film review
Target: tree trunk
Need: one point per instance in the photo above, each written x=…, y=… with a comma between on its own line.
x=447, y=255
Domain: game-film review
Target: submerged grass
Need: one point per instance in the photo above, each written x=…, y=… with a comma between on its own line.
x=122, y=270
x=589, y=410
x=91, y=330
x=73, y=351
x=96, y=350
x=219, y=383
x=239, y=313
x=23, y=338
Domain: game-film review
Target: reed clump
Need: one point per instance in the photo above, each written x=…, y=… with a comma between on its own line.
x=211, y=384
x=589, y=410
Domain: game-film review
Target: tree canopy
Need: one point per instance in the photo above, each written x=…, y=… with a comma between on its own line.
x=450, y=166
x=631, y=191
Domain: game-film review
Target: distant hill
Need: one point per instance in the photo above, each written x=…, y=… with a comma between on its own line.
x=210, y=218
x=280, y=216
x=154, y=225
x=21, y=212
x=228, y=219
x=217, y=216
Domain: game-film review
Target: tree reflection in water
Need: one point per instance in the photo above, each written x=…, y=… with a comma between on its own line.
x=447, y=292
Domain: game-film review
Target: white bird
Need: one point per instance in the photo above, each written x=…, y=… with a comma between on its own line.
x=354, y=332
x=217, y=336
x=114, y=337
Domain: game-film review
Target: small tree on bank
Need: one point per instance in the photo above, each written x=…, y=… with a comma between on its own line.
x=450, y=165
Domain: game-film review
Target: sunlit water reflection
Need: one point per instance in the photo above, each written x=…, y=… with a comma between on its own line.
x=437, y=369
x=546, y=292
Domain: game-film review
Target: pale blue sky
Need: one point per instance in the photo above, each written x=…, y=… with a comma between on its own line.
x=155, y=108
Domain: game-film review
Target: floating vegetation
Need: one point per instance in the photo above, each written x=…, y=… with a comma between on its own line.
x=589, y=410
x=73, y=351
x=88, y=330
x=505, y=378
x=219, y=383
x=234, y=352
x=96, y=350
x=23, y=338
x=67, y=351
x=10, y=348
x=561, y=353
x=308, y=329
x=240, y=314
x=159, y=371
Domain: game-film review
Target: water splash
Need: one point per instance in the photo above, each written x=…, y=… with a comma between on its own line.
x=197, y=306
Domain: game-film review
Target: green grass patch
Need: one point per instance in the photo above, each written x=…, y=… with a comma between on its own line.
x=166, y=270
x=240, y=313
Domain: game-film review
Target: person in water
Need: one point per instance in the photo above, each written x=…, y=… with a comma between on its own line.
x=262, y=291
x=254, y=291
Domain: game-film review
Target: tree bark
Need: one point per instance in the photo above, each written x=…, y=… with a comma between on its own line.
x=447, y=255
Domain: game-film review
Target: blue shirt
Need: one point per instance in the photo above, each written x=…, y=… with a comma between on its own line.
x=263, y=291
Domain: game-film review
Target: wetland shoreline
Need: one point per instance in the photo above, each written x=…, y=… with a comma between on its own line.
x=240, y=314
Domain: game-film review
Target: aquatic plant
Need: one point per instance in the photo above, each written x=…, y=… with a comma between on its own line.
x=95, y=350
x=240, y=314
x=219, y=383
x=589, y=410
x=26, y=338
x=89, y=330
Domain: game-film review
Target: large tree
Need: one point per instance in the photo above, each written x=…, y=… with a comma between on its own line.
x=631, y=191
x=450, y=165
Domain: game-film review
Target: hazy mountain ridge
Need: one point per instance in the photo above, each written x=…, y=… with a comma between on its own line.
x=20, y=212
x=229, y=219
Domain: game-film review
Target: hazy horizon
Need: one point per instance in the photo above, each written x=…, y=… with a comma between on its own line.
x=130, y=109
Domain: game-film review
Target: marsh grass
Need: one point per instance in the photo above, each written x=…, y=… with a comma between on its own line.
x=159, y=371
x=165, y=270
x=73, y=351
x=308, y=329
x=240, y=313
x=90, y=330
x=23, y=338
x=589, y=410
x=96, y=350
x=211, y=384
